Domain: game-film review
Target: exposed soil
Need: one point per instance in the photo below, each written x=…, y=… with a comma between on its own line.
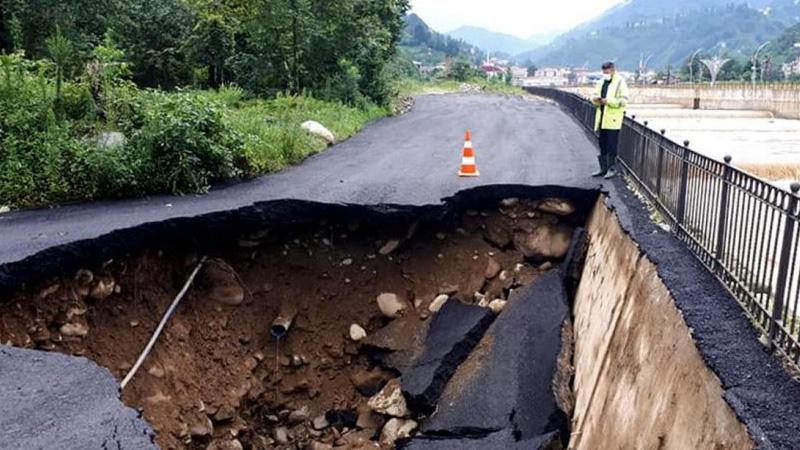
x=217, y=379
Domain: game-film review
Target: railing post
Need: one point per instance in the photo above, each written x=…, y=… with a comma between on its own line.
x=660, y=165
x=722, y=225
x=684, y=184
x=783, y=268
x=643, y=147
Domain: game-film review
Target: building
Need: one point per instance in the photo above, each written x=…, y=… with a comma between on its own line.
x=791, y=68
x=493, y=70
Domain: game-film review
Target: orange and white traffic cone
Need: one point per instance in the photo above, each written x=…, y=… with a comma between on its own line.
x=469, y=168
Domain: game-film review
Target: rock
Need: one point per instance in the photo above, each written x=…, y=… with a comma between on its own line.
x=498, y=235
x=357, y=333
x=315, y=445
x=368, y=382
x=557, y=206
x=225, y=413
x=368, y=420
x=202, y=427
x=390, y=305
x=544, y=242
x=454, y=332
x=281, y=435
x=74, y=330
x=390, y=401
x=319, y=130
x=347, y=262
x=5, y=209
x=437, y=303
x=493, y=268
x=103, y=289
x=320, y=423
x=546, y=266
x=84, y=277
x=497, y=306
x=389, y=247
x=359, y=440
x=232, y=444
x=396, y=429
x=299, y=416
x=109, y=140
x=223, y=284
x=156, y=371
x=509, y=202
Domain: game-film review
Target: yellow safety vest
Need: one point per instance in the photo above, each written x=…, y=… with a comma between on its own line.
x=617, y=100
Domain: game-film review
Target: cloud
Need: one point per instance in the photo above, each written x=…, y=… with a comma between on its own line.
x=522, y=18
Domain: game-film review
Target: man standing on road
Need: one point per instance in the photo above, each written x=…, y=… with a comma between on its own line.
x=610, y=98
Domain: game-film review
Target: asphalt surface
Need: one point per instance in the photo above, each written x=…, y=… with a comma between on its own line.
x=411, y=160
x=408, y=160
x=52, y=401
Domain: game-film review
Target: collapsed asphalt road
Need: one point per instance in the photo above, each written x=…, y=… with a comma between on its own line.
x=409, y=160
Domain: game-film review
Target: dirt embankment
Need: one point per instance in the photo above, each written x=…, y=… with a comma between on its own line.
x=218, y=380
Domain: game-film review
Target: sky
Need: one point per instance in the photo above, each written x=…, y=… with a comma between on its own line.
x=522, y=18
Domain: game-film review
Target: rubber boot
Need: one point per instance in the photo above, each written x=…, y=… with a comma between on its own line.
x=603, y=167
x=612, y=168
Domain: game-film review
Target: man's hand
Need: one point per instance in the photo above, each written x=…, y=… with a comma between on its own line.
x=602, y=101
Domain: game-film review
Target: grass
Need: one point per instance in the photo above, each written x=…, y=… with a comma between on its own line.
x=773, y=172
x=272, y=133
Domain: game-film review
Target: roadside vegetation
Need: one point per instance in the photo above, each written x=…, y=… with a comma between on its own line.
x=114, y=99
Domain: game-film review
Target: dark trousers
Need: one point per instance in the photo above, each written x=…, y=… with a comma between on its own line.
x=609, y=139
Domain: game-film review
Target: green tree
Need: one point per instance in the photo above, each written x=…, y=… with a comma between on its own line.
x=152, y=33
x=60, y=49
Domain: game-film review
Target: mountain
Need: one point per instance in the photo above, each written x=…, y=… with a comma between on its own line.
x=423, y=44
x=670, y=32
x=784, y=48
x=492, y=41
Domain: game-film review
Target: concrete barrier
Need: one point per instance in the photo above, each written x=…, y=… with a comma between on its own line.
x=782, y=101
x=640, y=382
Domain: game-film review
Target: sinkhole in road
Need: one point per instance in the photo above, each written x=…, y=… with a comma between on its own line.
x=507, y=316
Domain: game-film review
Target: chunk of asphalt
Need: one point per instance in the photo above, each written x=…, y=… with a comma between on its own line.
x=503, y=439
x=507, y=381
x=51, y=400
x=398, y=344
x=453, y=333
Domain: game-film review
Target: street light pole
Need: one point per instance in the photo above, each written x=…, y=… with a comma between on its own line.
x=754, y=67
x=691, y=64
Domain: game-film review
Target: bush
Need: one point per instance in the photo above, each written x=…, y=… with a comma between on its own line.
x=77, y=101
x=184, y=145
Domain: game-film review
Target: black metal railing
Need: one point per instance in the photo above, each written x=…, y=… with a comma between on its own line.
x=742, y=228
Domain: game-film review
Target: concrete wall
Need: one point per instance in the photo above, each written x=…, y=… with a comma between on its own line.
x=640, y=382
x=781, y=101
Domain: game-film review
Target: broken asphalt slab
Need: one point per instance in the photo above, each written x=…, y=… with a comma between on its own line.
x=75, y=388
x=510, y=373
x=454, y=332
x=494, y=441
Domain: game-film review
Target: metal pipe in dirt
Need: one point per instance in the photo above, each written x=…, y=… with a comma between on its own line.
x=163, y=323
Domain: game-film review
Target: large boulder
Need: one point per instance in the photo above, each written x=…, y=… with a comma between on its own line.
x=109, y=140
x=319, y=130
x=544, y=241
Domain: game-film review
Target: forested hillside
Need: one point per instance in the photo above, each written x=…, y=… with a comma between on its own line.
x=670, y=32
x=423, y=44
x=104, y=98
